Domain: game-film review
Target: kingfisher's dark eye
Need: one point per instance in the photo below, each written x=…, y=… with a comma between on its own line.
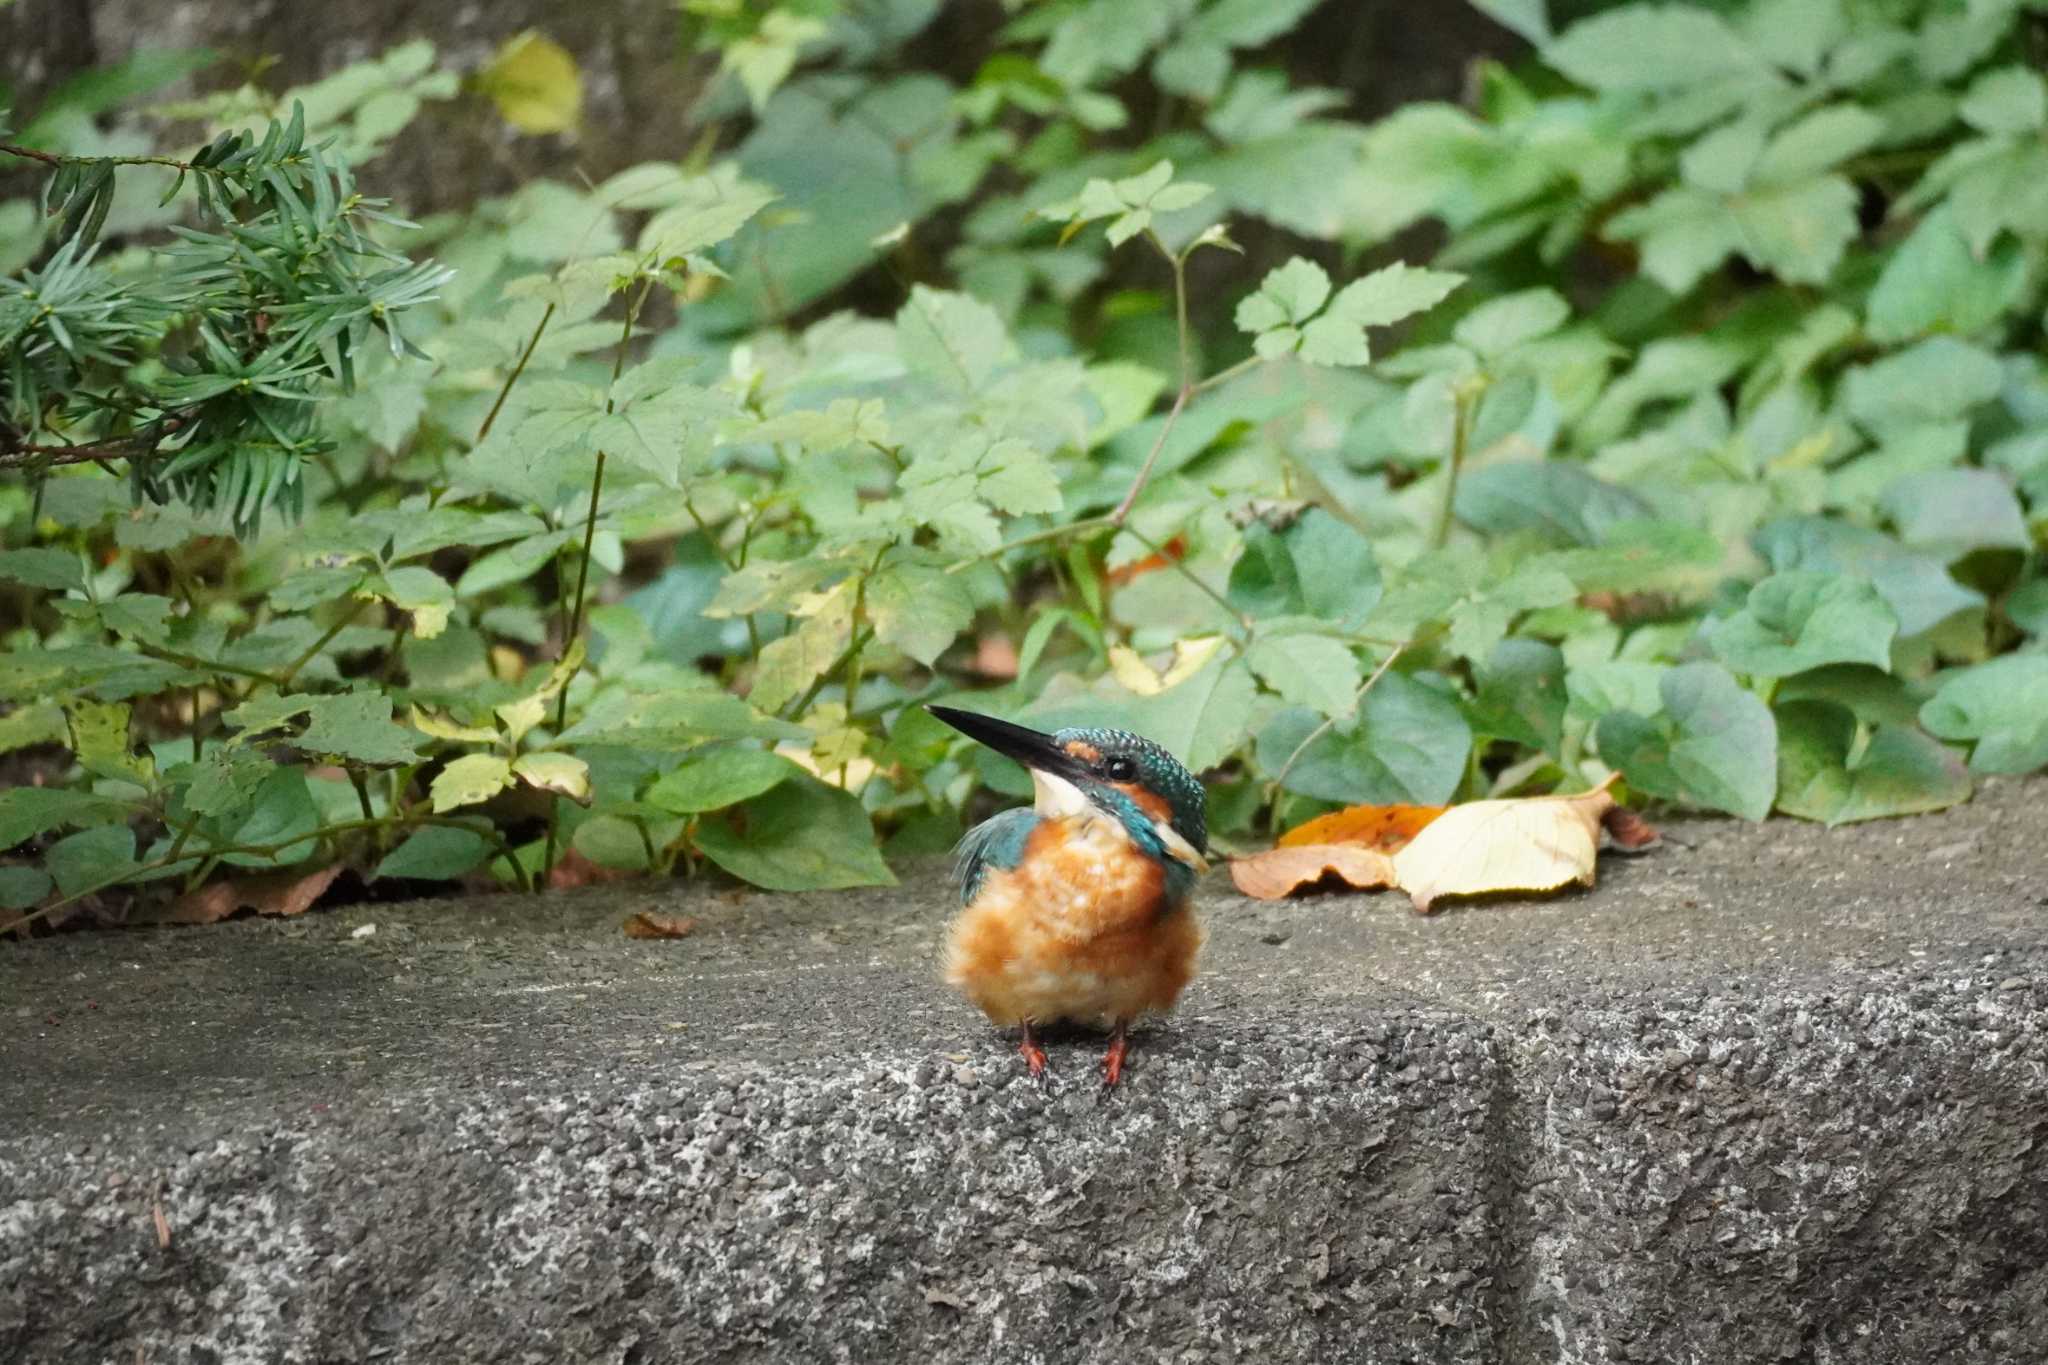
x=1120, y=770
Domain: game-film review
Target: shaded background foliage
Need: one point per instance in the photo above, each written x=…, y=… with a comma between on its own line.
x=1717, y=454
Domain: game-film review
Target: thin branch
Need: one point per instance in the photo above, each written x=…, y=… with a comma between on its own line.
x=1466, y=401
x=518, y=369
x=1330, y=722
x=59, y=160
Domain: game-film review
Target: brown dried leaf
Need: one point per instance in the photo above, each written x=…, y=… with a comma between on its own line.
x=1385, y=828
x=275, y=893
x=1630, y=832
x=647, y=924
x=1271, y=875
x=1533, y=844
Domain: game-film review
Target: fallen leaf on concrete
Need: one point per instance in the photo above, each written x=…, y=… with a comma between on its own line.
x=944, y=1298
x=1279, y=872
x=277, y=893
x=1630, y=832
x=1481, y=848
x=1533, y=844
x=1385, y=828
x=573, y=869
x=647, y=924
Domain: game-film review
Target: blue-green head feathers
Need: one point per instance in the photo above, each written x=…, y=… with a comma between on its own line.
x=1123, y=757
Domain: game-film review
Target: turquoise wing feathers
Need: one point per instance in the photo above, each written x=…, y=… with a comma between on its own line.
x=997, y=842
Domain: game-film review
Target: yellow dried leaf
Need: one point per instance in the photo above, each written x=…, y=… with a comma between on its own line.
x=442, y=728
x=1534, y=844
x=535, y=84
x=1188, y=657
x=564, y=773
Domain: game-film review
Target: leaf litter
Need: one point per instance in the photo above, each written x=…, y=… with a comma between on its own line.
x=1526, y=844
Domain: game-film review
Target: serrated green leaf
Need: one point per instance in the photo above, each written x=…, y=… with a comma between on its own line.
x=53, y=570
x=1802, y=619
x=955, y=340
x=1934, y=282
x=1825, y=774
x=918, y=608
x=469, y=780
x=42, y=723
x=26, y=812
x=800, y=836
x=1291, y=293
x=99, y=739
x=358, y=727
x=1656, y=47
x=1713, y=744
x=1307, y=670
x=1950, y=512
x=225, y=781
x=2012, y=99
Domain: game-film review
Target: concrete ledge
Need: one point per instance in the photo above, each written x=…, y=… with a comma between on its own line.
x=1780, y=1094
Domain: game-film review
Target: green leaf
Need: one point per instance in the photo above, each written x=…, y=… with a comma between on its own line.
x=283, y=816
x=2000, y=706
x=55, y=570
x=953, y=339
x=438, y=853
x=357, y=726
x=1938, y=379
x=1655, y=47
x=918, y=608
x=42, y=723
x=1915, y=584
x=99, y=739
x=1797, y=231
x=1409, y=745
x=91, y=858
x=1714, y=744
x=1818, y=142
x=1522, y=695
x=1934, y=282
x=535, y=84
x=21, y=887
x=1826, y=774
x=2011, y=100
x=1307, y=670
x=790, y=665
x=26, y=812
x=671, y=721
x=1500, y=325
x=1291, y=293
x=1950, y=512
x=1391, y=294
x=1557, y=497
x=225, y=781
x=1803, y=619
x=800, y=836
x=513, y=563
x=717, y=778
x=1317, y=567
x=469, y=780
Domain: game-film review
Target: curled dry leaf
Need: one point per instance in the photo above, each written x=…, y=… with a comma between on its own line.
x=279, y=893
x=647, y=924
x=1630, y=832
x=1533, y=844
x=1385, y=828
x=1275, y=874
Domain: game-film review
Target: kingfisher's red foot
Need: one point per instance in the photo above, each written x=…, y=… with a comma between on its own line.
x=1113, y=1060
x=1033, y=1054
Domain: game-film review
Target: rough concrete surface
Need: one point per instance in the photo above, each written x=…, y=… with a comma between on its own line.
x=1767, y=1094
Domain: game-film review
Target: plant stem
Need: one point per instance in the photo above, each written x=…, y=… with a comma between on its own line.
x=1329, y=722
x=575, y=626
x=1461, y=432
x=313, y=651
x=57, y=159
x=1175, y=563
x=505, y=390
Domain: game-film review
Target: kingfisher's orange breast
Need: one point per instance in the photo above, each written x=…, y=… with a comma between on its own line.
x=1081, y=929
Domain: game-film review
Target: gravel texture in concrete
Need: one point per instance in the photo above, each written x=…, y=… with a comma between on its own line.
x=1768, y=1093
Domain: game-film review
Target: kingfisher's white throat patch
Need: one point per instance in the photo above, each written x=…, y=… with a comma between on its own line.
x=1056, y=797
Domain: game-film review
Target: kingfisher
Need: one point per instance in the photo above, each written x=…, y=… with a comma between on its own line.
x=1076, y=907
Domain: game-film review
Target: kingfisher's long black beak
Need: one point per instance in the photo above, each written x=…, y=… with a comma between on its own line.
x=1033, y=748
